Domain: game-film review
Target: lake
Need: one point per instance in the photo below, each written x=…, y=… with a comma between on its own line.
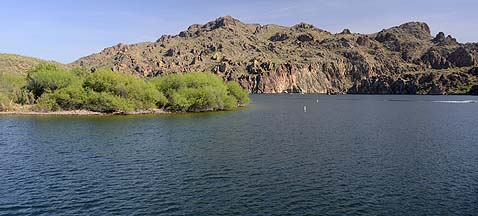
x=347, y=154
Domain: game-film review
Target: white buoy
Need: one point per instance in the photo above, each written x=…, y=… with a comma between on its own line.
x=305, y=108
x=317, y=100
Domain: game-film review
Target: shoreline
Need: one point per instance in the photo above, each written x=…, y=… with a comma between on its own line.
x=84, y=113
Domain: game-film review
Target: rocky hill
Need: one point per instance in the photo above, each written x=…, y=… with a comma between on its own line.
x=17, y=64
x=405, y=59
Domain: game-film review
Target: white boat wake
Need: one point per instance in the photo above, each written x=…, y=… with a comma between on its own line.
x=458, y=102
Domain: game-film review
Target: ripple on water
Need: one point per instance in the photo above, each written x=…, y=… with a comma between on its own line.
x=371, y=155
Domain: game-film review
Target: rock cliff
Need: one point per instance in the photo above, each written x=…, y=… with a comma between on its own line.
x=405, y=59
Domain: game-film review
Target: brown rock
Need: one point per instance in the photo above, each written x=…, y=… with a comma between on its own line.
x=363, y=41
x=462, y=58
x=346, y=31
x=279, y=37
x=305, y=38
x=473, y=71
x=435, y=60
x=473, y=90
x=301, y=58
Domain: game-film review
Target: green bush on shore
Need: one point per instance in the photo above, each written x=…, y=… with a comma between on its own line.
x=12, y=92
x=50, y=87
x=195, y=92
x=107, y=103
x=238, y=92
x=4, y=102
x=46, y=78
x=141, y=94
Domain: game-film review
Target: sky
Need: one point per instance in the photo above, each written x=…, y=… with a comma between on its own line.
x=65, y=30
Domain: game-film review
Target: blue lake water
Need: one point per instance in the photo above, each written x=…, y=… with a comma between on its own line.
x=347, y=154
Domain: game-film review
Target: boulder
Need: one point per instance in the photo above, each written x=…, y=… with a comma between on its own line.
x=473, y=90
x=439, y=38
x=462, y=58
x=305, y=38
x=279, y=37
x=435, y=60
x=346, y=31
x=169, y=52
x=473, y=71
x=436, y=89
x=363, y=41
x=303, y=26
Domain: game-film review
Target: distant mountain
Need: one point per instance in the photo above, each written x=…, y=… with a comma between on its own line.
x=17, y=64
x=405, y=59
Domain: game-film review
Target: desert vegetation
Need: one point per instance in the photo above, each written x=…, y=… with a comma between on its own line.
x=51, y=87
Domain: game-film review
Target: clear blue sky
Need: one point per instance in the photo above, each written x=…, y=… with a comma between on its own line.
x=64, y=30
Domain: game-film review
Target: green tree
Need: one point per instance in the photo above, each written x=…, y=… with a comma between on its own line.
x=48, y=78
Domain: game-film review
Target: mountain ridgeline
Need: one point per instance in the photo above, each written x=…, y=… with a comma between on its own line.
x=17, y=64
x=405, y=59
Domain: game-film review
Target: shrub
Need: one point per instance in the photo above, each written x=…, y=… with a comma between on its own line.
x=230, y=103
x=47, y=102
x=23, y=96
x=238, y=92
x=106, y=103
x=11, y=83
x=48, y=77
x=142, y=94
x=169, y=84
x=162, y=101
x=199, y=92
x=70, y=98
x=105, y=80
x=80, y=72
x=203, y=98
x=50, y=87
x=5, y=102
x=178, y=102
x=11, y=86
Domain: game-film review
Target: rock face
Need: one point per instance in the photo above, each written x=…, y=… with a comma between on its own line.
x=417, y=83
x=462, y=58
x=302, y=58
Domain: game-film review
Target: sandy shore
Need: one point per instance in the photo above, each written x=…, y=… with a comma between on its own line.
x=84, y=112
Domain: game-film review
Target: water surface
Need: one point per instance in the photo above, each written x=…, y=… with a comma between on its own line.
x=348, y=154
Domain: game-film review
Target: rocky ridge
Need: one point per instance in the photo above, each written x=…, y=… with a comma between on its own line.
x=405, y=59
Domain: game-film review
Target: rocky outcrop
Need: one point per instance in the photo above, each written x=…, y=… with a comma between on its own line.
x=462, y=58
x=279, y=37
x=473, y=90
x=346, y=31
x=301, y=58
x=473, y=71
x=440, y=39
x=305, y=38
x=363, y=41
x=434, y=59
x=436, y=83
